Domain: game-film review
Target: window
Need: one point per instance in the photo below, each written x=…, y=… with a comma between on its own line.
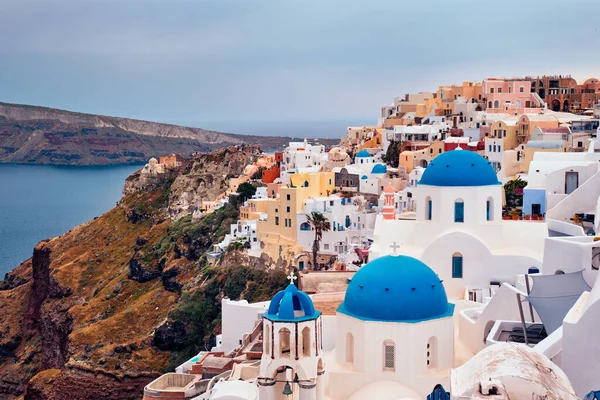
x=489, y=209
x=330, y=181
x=288, y=197
x=489, y=104
x=499, y=90
x=521, y=89
x=490, y=148
x=349, y=348
x=389, y=355
x=509, y=89
x=325, y=246
x=491, y=90
x=429, y=208
x=496, y=104
x=287, y=209
x=457, y=265
x=305, y=226
x=276, y=220
x=331, y=202
x=504, y=133
x=459, y=211
x=306, y=341
x=284, y=343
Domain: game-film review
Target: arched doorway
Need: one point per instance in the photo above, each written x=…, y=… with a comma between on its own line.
x=423, y=163
x=566, y=106
x=555, y=105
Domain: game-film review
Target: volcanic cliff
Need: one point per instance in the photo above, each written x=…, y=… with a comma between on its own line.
x=40, y=135
x=105, y=308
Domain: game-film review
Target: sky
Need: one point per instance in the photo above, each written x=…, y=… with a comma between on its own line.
x=278, y=66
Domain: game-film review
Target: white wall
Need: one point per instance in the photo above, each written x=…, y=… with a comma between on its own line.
x=237, y=319
x=410, y=354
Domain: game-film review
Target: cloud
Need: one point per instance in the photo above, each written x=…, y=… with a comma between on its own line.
x=274, y=60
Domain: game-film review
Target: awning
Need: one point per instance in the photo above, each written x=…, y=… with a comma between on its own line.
x=553, y=296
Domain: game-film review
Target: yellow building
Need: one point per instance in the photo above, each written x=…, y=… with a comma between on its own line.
x=253, y=209
x=280, y=226
x=506, y=130
x=420, y=158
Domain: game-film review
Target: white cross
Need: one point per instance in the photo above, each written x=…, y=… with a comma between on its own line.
x=395, y=246
x=291, y=277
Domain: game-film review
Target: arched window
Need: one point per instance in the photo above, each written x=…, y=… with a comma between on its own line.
x=349, y=348
x=306, y=342
x=389, y=356
x=267, y=340
x=518, y=103
x=432, y=353
x=305, y=226
x=489, y=209
x=489, y=104
x=496, y=104
x=459, y=211
x=428, y=208
x=305, y=183
x=284, y=343
x=457, y=265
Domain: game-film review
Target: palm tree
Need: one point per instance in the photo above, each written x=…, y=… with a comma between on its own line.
x=319, y=224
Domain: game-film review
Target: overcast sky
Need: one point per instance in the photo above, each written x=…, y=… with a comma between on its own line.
x=201, y=62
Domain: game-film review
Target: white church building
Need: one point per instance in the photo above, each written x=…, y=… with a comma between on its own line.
x=459, y=231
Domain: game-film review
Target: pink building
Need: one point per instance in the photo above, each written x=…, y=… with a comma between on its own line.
x=510, y=96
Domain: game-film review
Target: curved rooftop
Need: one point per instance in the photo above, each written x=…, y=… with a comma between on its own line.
x=291, y=305
x=363, y=153
x=396, y=289
x=379, y=169
x=459, y=168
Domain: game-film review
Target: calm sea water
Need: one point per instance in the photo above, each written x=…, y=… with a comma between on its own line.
x=39, y=202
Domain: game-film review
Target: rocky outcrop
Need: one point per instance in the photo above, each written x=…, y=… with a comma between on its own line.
x=170, y=336
x=40, y=135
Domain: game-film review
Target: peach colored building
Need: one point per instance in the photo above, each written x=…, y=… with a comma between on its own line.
x=527, y=122
x=171, y=161
x=506, y=130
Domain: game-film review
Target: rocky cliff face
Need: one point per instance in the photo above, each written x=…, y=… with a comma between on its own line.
x=103, y=309
x=40, y=135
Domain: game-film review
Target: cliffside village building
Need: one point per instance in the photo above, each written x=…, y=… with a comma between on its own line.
x=431, y=283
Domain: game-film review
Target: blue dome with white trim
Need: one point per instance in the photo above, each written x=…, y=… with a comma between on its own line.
x=362, y=154
x=291, y=304
x=396, y=289
x=459, y=168
x=364, y=177
x=379, y=169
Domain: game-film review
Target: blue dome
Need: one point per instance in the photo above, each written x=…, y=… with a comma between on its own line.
x=363, y=153
x=379, y=169
x=459, y=168
x=364, y=177
x=396, y=288
x=291, y=304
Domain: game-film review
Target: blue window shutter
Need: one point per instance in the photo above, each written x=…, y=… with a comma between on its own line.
x=459, y=211
x=488, y=206
x=457, y=266
x=429, y=212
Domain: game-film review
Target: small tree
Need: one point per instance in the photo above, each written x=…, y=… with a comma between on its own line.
x=320, y=224
x=245, y=191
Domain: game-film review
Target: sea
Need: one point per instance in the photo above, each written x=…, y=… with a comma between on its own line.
x=39, y=202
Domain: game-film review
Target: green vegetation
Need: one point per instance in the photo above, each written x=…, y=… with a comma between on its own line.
x=200, y=310
x=392, y=155
x=514, y=195
x=245, y=191
x=197, y=236
x=319, y=224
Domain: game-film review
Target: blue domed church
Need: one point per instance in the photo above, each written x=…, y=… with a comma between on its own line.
x=459, y=231
x=395, y=324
